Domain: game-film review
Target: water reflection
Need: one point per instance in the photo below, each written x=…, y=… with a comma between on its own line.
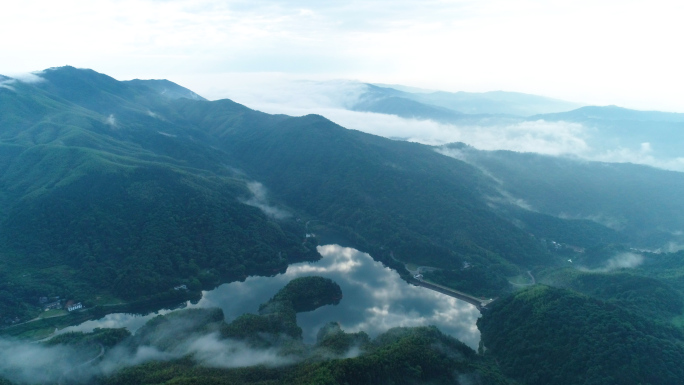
x=375, y=299
x=132, y=322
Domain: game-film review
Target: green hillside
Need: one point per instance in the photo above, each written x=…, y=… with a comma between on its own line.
x=544, y=335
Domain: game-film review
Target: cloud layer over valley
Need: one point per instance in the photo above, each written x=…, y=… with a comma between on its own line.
x=335, y=99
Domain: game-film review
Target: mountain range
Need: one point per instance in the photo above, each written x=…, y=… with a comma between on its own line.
x=461, y=103
x=79, y=143
x=125, y=189
x=603, y=133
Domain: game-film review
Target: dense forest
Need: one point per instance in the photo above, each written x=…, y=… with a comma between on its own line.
x=545, y=335
x=650, y=297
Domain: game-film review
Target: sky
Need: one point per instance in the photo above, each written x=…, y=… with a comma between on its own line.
x=594, y=52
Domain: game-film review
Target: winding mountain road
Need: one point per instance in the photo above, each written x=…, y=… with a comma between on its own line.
x=533, y=281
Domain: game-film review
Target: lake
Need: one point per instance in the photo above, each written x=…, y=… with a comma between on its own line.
x=375, y=299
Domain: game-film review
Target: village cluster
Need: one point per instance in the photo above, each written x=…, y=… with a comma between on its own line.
x=58, y=303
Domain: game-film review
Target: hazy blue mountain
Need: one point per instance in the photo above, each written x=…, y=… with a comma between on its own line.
x=590, y=113
x=610, y=132
x=474, y=103
x=399, y=87
x=615, y=128
x=496, y=102
x=407, y=105
x=407, y=108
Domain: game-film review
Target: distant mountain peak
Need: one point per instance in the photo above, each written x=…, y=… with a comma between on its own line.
x=87, y=78
x=166, y=88
x=72, y=78
x=68, y=70
x=399, y=87
x=614, y=113
x=472, y=103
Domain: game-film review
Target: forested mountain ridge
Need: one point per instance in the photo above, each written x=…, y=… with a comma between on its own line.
x=130, y=191
x=135, y=187
x=103, y=197
x=454, y=106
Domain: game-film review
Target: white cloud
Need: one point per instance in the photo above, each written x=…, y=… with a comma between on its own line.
x=111, y=120
x=28, y=78
x=212, y=351
x=259, y=200
x=673, y=247
x=617, y=262
x=644, y=155
x=33, y=363
x=624, y=261
x=7, y=83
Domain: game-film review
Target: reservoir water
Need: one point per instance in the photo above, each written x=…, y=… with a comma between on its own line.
x=375, y=299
